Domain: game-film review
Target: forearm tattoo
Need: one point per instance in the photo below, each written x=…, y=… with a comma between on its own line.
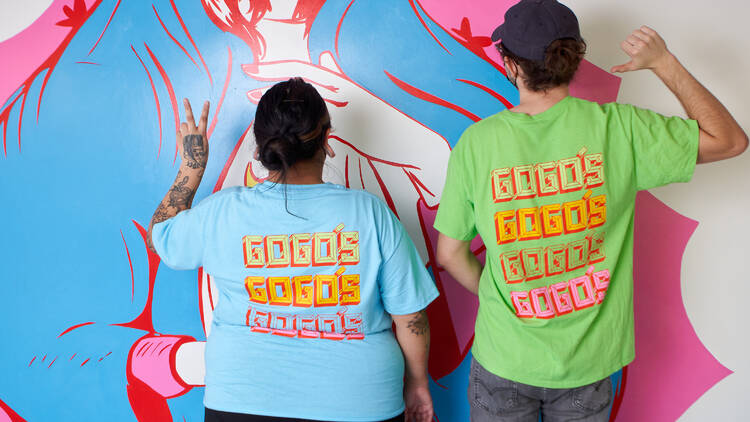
x=193, y=152
x=181, y=197
x=178, y=198
x=419, y=325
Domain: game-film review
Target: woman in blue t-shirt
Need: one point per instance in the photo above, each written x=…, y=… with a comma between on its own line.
x=311, y=276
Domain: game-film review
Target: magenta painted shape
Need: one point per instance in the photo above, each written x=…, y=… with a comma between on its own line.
x=595, y=84
x=672, y=368
x=25, y=51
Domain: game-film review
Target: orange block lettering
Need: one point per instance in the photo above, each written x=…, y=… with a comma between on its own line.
x=285, y=297
x=326, y=284
x=256, y=288
x=505, y=227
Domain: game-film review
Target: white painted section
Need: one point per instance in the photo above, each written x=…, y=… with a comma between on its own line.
x=712, y=40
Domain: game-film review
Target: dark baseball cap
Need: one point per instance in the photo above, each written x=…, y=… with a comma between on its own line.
x=532, y=25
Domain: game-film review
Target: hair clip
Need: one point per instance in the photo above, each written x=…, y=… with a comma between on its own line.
x=292, y=101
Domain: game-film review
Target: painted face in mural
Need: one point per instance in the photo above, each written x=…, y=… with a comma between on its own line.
x=367, y=131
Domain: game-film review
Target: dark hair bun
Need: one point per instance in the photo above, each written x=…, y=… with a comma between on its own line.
x=291, y=124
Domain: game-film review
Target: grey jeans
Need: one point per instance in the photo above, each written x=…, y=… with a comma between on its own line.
x=496, y=399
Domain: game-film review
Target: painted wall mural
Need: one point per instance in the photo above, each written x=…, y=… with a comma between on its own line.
x=94, y=328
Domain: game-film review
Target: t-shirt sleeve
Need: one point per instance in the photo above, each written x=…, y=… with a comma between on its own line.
x=405, y=285
x=665, y=149
x=455, y=216
x=180, y=240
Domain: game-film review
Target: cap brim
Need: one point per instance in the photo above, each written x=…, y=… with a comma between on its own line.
x=497, y=34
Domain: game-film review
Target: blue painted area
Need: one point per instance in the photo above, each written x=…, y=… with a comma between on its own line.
x=90, y=166
x=449, y=394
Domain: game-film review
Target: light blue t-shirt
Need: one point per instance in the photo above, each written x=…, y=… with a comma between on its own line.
x=306, y=285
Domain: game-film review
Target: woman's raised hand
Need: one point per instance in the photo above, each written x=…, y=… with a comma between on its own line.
x=192, y=141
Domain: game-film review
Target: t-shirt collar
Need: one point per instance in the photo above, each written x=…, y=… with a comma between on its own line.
x=548, y=114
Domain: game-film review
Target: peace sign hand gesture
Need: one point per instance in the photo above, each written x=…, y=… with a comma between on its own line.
x=192, y=141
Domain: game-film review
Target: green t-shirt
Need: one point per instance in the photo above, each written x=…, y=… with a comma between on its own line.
x=552, y=196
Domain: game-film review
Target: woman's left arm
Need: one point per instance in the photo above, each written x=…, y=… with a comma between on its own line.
x=413, y=334
x=194, y=152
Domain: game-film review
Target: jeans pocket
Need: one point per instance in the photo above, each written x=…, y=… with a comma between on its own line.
x=593, y=397
x=490, y=392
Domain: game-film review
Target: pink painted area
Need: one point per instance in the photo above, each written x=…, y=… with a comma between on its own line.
x=591, y=83
x=25, y=51
x=672, y=368
x=484, y=15
x=152, y=361
x=8, y=415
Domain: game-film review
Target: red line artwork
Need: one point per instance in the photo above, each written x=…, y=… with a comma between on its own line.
x=130, y=262
x=464, y=36
x=225, y=170
x=144, y=321
x=184, y=28
x=424, y=24
x=6, y=411
x=489, y=91
x=346, y=171
x=173, y=38
x=156, y=97
x=223, y=94
x=77, y=16
x=338, y=28
x=361, y=178
x=69, y=329
x=426, y=96
x=384, y=189
x=170, y=91
x=105, y=26
x=371, y=158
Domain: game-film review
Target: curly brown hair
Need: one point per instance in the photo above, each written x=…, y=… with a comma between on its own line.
x=560, y=63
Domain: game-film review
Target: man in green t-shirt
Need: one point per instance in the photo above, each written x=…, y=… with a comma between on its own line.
x=550, y=187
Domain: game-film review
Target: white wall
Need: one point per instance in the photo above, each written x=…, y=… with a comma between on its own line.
x=712, y=40
x=17, y=15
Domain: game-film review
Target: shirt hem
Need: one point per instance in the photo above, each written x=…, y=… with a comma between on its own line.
x=416, y=308
x=555, y=383
x=453, y=234
x=223, y=407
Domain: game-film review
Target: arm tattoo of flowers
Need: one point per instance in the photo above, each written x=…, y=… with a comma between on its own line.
x=419, y=324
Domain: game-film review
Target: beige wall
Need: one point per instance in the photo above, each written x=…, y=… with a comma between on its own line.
x=712, y=40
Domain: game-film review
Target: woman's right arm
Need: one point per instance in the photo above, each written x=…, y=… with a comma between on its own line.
x=194, y=152
x=413, y=335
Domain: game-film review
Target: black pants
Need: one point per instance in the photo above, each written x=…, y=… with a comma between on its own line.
x=218, y=416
